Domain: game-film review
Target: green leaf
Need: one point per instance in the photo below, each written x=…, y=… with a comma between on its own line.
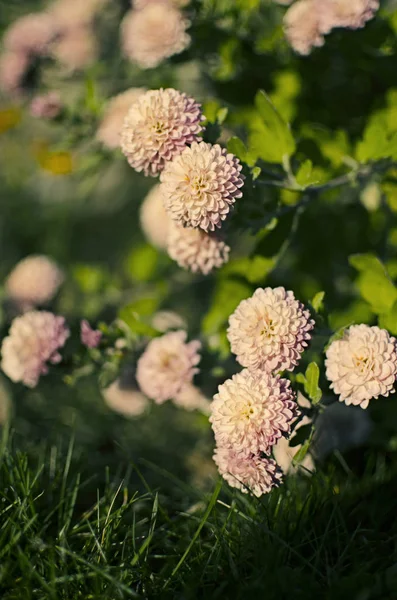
x=378, y=142
x=318, y=301
x=338, y=335
x=374, y=283
x=137, y=315
x=271, y=138
x=227, y=296
x=141, y=264
x=302, y=452
x=389, y=320
x=304, y=175
x=254, y=269
x=238, y=148
x=312, y=388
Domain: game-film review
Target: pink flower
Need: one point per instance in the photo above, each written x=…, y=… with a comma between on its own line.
x=13, y=69
x=46, y=106
x=76, y=49
x=31, y=34
x=270, y=330
x=34, y=281
x=251, y=411
x=246, y=471
x=195, y=250
x=89, y=337
x=154, y=219
x=113, y=118
x=167, y=366
x=34, y=340
x=362, y=365
x=200, y=185
x=153, y=33
x=157, y=128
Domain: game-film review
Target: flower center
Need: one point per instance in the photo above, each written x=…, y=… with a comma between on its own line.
x=363, y=363
x=268, y=326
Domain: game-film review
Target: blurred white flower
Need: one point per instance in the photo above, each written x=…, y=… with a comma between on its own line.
x=153, y=33
x=33, y=341
x=303, y=25
x=196, y=250
x=76, y=49
x=75, y=13
x=157, y=128
x=154, y=219
x=129, y=402
x=34, y=281
x=190, y=398
x=201, y=185
x=362, y=365
x=112, y=121
x=31, y=34
x=167, y=365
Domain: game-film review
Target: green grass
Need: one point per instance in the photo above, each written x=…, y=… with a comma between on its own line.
x=105, y=536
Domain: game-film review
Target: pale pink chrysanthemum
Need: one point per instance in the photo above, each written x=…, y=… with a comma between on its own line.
x=164, y=320
x=154, y=33
x=190, y=398
x=157, y=128
x=167, y=365
x=34, y=281
x=13, y=69
x=91, y=338
x=270, y=330
x=46, y=106
x=112, y=121
x=75, y=13
x=251, y=411
x=154, y=219
x=284, y=453
x=196, y=250
x=76, y=49
x=352, y=14
x=33, y=341
x=362, y=365
x=305, y=24
x=246, y=471
x=124, y=400
x=31, y=34
x=201, y=184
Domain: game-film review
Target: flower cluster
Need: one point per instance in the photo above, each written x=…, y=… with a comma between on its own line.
x=195, y=250
x=167, y=366
x=34, y=281
x=152, y=32
x=255, y=409
x=362, y=364
x=307, y=21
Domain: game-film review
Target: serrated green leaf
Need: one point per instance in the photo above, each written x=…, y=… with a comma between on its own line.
x=303, y=176
x=365, y=262
x=374, y=283
x=318, y=301
x=312, y=388
x=238, y=148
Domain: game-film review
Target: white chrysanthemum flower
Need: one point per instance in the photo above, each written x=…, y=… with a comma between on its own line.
x=31, y=34
x=362, y=365
x=284, y=453
x=246, y=471
x=75, y=13
x=34, y=281
x=251, y=411
x=155, y=222
x=352, y=14
x=112, y=121
x=167, y=365
x=34, y=340
x=303, y=25
x=190, y=398
x=270, y=330
x=200, y=185
x=76, y=49
x=196, y=250
x=154, y=33
x=157, y=128
x=164, y=320
x=127, y=401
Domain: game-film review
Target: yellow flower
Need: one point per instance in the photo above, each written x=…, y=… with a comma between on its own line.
x=57, y=163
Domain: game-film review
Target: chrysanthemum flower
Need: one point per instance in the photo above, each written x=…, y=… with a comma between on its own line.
x=154, y=219
x=129, y=402
x=167, y=365
x=200, y=185
x=75, y=13
x=91, y=338
x=352, y=14
x=116, y=110
x=13, y=69
x=303, y=25
x=76, y=49
x=34, y=340
x=251, y=411
x=34, y=281
x=270, y=330
x=190, y=398
x=154, y=33
x=196, y=250
x=157, y=128
x=46, y=106
x=246, y=471
x=362, y=365
x=31, y=34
